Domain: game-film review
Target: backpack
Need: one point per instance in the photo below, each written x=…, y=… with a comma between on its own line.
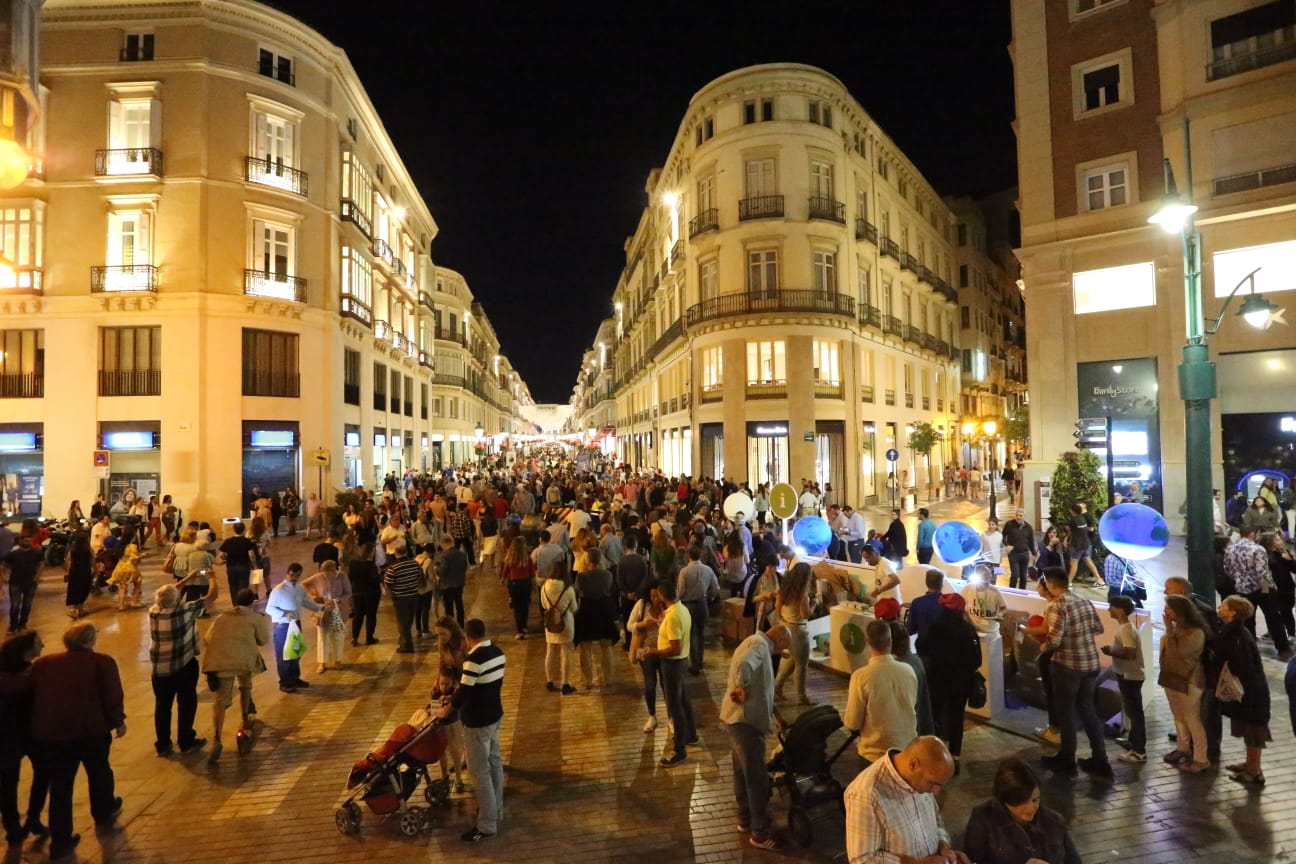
x=555, y=614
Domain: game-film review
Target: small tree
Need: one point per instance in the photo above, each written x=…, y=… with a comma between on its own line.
x=923, y=440
x=1018, y=425
x=1077, y=478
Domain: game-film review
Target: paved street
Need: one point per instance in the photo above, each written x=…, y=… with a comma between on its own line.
x=581, y=777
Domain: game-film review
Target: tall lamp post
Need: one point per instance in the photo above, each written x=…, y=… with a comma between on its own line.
x=989, y=428
x=1197, y=373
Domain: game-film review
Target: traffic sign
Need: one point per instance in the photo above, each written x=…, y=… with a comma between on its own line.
x=893, y=455
x=1092, y=433
x=321, y=458
x=783, y=501
x=101, y=458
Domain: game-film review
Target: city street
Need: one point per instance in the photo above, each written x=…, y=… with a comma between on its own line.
x=582, y=779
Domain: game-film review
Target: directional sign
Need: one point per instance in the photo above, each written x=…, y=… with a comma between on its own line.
x=893, y=455
x=321, y=457
x=783, y=501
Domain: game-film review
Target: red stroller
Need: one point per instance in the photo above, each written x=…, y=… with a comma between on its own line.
x=387, y=778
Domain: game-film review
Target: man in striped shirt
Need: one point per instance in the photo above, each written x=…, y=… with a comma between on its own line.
x=478, y=702
x=401, y=579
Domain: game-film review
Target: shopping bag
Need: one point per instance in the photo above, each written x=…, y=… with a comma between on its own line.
x=1229, y=688
x=294, y=644
x=258, y=575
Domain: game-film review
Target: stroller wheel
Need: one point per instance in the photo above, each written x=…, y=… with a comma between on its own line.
x=437, y=793
x=347, y=819
x=411, y=821
x=799, y=827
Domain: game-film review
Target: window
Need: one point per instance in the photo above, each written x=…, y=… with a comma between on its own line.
x=1080, y=7
x=827, y=365
x=706, y=193
x=129, y=236
x=409, y=396
x=865, y=287
x=1127, y=287
x=705, y=130
x=273, y=147
x=134, y=134
x=454, y=407
x=820, y=112
x=380, y=387
x=438, y=409
x=766, y=363
x=137, y=46
x=357, y=285
x=423, y=401
x=22, y=364
x=963, y=275
x=21, y=244
x=353, y=128
x=1276, y=261
x=270, y=363
x=272, y=249
x=708, y=279
x=962, y=235
x=965, y=316
x=130, y=361
x=887, y=303
x=395, y=392
x=712, y=368
x=883, y=168
x=749, y=112
x=762, y=270
x=1105, y=187
x=885, y=226
x=350, y=376
x=276, y=66
x=760, y=178
x=821, y=179
x=1257, y=37
x=357, y=193
x=1102, y=84
x=825, y=271
x=767, y=110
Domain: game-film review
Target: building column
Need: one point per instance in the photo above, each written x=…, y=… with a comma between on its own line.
x=801, y=409
x=735, y=409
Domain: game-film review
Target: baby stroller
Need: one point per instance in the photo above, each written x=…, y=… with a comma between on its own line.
x=803, y=771
x=387, y=778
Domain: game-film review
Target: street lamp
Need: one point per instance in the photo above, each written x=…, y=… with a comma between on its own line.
x=1197, y=373
x=989, y=428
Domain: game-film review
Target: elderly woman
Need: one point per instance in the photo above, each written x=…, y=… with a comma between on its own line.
x=1235, y=647
x=330, y=588
x=173, y=650
x=1012, y=827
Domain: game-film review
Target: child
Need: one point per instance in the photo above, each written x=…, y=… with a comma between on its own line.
x=446, y=684
x=126, y=575
x=1127, y=661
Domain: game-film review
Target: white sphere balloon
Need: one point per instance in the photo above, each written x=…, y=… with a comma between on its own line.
x=739, y=502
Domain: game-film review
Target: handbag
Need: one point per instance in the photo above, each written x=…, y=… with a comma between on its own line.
x=1229, y=688
x=977, y=696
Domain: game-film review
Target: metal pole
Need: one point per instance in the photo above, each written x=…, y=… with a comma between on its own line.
x=1197, y=388
x=993, y=494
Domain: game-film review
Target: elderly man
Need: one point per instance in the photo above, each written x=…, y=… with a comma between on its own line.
x=891, y=809
x=748, y=714
x=882, y=698
x=173, y=650
x=233, y=655
x=285, y=606
x=77, y=706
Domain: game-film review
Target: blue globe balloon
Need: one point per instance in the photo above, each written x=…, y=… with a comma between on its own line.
x=957, y=543
x=812, y=534
x=1134, y=531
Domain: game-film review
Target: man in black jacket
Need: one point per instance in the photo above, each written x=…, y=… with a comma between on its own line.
x=478, y=702
x=631, y=574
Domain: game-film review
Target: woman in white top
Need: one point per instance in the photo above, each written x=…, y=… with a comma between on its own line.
x=794, y=611
x=558, y=592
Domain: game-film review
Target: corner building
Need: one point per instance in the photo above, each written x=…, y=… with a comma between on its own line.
x=786, y=309
x=220, y=272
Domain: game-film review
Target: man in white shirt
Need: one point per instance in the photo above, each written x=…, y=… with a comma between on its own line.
x=809, y=502
x=881, y=698
x=881, y=574
x=577, y=520
x=99, y=533
x=855, y=531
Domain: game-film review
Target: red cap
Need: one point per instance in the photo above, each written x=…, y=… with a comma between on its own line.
x=887, y=609
x=953, y=601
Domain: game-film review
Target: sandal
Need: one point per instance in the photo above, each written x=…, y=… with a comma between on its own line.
x=1249, y=779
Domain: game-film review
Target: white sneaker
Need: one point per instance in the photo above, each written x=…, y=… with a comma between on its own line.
x=650, y=724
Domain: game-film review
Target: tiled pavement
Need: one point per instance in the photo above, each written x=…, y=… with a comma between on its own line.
x=582, y=783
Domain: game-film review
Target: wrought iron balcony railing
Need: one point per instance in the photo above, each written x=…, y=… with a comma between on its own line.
x=259, y=283
x=826, y=208
x=128, y=161
x=760, y=207
x=707, y=220
x=866, y=230
x=267, y=172
x=1249, y=60
x=889, y=247
x=129, y=277
x=770, y=301
x=22, y=385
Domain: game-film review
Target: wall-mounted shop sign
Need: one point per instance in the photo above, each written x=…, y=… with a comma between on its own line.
x=766, y=429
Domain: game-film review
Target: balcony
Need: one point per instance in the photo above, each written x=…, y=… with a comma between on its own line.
x=1258, y=59
x=353, y=214
x=665, y=340
x=425, y=300
x=866, y=230
x=266, y=172
x=384, y=254
x=893, y=325
x=130, y=277
x=442, y=379
x=707, y=220
x=828, y=390
x=380, y=401
x=909, y=262
x=382, y=330
x=760, y=207
x=712, y=393
x=278, y=286
x=451, y=336
x=766, y=389
x=20, y=280
x=827, y=209
x=870, y=316
x=355, y=310
x=889, y=247
x=866, y=393
x=130, y=161
x=267, y=381
x=677, y=252
x=22, y=385
x=770, y=301
x=941, y=348
x=889, y=397
x=944, y=289
x=1255, y=179
x=132, y=382
x=926, y=274
x=929, y=342
x=913, y=335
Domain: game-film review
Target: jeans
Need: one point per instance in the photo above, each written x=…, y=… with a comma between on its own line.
x=799, y=648
x=519, y=591
x=364, y=612
x=423, y=612
x=452, y=601
x=62, y=758
x=925, y=554
x=678, y=707
x=1132, y=707
x=855, y=550
x=11, y=755
x=1018, y=565
x=1266, y=603
x=180, y=687
x=652, y=674
x=405, y=607
x=289, y=670
x=750, y=777
x=698, y=610
x=486, y=767
x=21, y=594
x=1073, y=693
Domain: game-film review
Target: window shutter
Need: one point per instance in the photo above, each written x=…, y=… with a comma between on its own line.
x=116, y=125
x=143, y=239
x=155, y=123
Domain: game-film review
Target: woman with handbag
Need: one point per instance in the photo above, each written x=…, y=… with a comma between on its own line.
x=1238, y=667
x=1183, y=678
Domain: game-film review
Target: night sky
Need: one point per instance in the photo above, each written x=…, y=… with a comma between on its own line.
x=531, y=128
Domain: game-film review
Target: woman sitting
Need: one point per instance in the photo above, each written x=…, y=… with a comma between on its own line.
x=1012, y=827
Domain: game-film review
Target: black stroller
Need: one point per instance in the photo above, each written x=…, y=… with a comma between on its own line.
x=802, y=769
